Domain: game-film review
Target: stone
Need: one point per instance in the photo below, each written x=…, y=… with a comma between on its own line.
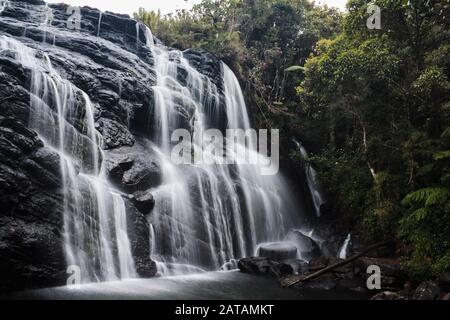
x=132, y=169
x=308, y=248
x=144, y=201
x=114, y=134
x=264, y=267
x=278, y=251
x=427, y=290
x=388, y=295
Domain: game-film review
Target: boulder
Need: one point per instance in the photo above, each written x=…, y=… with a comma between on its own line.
x=144, y=201
x=114, y=134
x=307, y=247
x=132, y=169
x=278, y=251
x=427, y=290
x=388, y=295
x=264, y=267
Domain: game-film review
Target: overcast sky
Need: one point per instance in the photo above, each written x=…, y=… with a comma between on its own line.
x=166, y=6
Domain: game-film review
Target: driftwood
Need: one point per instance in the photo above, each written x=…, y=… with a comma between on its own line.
x=293, y=280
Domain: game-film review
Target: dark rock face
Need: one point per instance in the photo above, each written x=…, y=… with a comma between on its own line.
x=138, y=233
x=144, y=201
x=31, y=202
x=132, y=169
x=264, y=267
x=115, y=69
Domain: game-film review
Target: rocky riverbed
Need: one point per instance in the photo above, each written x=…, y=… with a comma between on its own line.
x=352, y=277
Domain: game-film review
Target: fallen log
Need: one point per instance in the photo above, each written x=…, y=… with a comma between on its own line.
x=293, y=280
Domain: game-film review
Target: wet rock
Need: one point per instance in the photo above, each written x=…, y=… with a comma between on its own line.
x=279, y=251
x=139, y=235
x=31, y=247
x=141, y=176
x=308, y=248
x=427, y=290
x=264, y=267
x=114, y=134
x=132, y=169
x=144, y=201
x=388, y=295
x=392, y=276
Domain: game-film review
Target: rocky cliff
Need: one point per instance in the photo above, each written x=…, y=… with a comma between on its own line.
x=109, y=60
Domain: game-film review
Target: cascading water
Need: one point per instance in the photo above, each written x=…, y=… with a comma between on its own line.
x=47, y=18
x=99, y=25
x=344, y=249
x=95, y=228
x=206, y=216
x=3, y=5
x=311, y=176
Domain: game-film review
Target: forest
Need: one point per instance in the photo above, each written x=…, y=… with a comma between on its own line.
x=372, y=105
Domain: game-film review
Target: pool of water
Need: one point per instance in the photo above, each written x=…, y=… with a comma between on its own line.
x=230, y=285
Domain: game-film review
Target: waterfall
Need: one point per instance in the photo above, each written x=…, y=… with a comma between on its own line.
x=47, y=20
x=137, y=32
x=207, y=216
x=344, y=249
x=3, y=5
x=148, y=36
x=99, y=23
x=311, y=177
x=95, y=230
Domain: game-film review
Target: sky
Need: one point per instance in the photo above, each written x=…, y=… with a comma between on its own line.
x=166, y=6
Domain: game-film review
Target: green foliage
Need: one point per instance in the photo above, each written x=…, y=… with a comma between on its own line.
x=382, y=98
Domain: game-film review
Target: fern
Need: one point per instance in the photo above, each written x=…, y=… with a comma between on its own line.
x=427, y=197
x=442, y=155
